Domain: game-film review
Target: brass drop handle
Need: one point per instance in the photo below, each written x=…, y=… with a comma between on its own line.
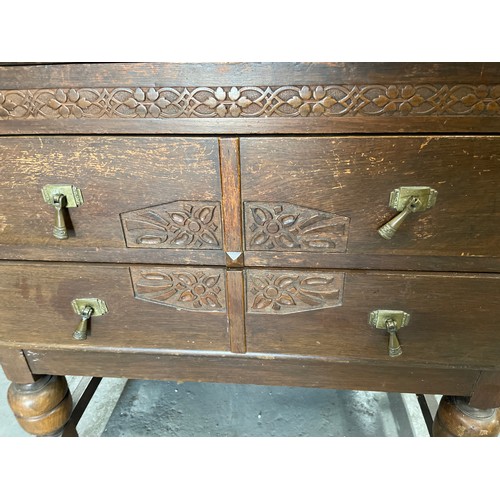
x=394, y=345
x=390, y=321
x=388, y=230
x=81, y=330
x=60, y=231
x=87, y=308
x=407, y=200
x=61, y=197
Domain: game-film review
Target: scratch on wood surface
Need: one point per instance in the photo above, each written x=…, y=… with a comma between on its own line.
x=425, y=143
x=3, y=223
x=336, y=173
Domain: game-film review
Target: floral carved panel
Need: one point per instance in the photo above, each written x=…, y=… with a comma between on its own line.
x=193, y=289
x=179, y=224
x=288, y=227
x=164, y=102
x=286, y=292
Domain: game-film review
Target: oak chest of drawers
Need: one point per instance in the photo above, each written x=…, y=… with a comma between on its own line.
x=322, y=225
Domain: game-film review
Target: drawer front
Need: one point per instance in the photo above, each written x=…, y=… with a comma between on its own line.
x=453, y=318
x=320, y=201
x=164, y=307
x=143, y=199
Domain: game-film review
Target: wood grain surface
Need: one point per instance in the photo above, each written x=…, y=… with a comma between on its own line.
x=453, y=321
x=236, y=310
x=41, y=408
x=229, y=152
x=116, y=175
x=487, y=390
x=251, y=369
x=15, y=366
x=285, y=97
x=37, y=311
x=290, y=164
x=134, y=74
x=353, y=177
x=444, y=329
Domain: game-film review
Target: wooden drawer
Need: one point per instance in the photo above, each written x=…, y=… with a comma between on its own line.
x=453, y=317
x=319, y=202
x=319, y=313
x=144, y=199
x=163, y=307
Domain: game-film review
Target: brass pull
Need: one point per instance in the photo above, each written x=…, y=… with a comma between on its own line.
x=81, y=330
x=60, y=231
x=407, y=200
x=388, y=230
x=394, y=345
x=86, y=308
x=391, y=322
x=61, y=197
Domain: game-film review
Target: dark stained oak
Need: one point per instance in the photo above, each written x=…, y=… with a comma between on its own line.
x=47, y=291
x=230, y=223
x=235, y=296
x=81, y=398
x=188, y=308
x=116, y=175
x=292, y=97
x=151, y=74
x=118, y=255
x=43, y=407
x=444, y=328
x=231, y=200
x=487, y=390
x=360, y=261
x=258, y=126
x=255, y=369
x=456, y=418
x=15, y=366
x=352, y=177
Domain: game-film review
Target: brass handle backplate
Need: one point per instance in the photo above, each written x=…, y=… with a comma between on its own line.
x=407, y=200
x=86, y=308
x=391, y=322
x=61, y=197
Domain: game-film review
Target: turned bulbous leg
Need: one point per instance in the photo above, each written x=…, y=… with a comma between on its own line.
x=455, y=418
x=43, y=407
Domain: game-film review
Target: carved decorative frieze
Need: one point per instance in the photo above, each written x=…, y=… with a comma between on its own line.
x=286, y=292
x=251, y=101
x=288, y=227
x=200, y=289
x=179, y=224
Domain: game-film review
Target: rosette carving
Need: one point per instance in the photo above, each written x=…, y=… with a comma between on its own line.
x=200, y=289
x=285, y=292
x=179, y=224
x=288, y=227
x=289, y=101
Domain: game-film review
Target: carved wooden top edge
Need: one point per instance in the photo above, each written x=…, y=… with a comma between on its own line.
x=283, y=101
x=132, y=74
